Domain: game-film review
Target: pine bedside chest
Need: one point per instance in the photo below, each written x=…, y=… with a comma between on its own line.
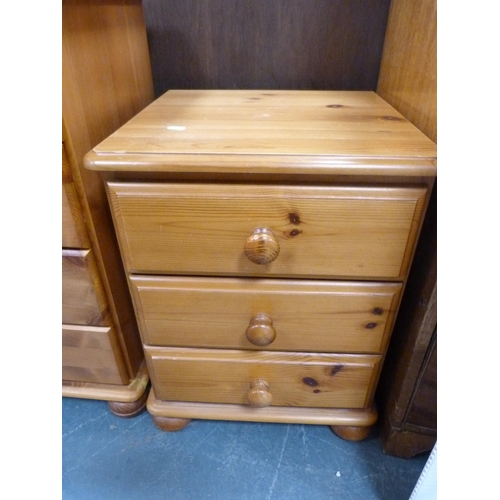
x=267, y=238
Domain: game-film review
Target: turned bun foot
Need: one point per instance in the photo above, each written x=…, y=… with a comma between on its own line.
x=351, y=433
x=171, y=424
x=130, y=409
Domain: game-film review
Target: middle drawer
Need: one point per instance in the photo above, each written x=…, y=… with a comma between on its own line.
x=249, y=313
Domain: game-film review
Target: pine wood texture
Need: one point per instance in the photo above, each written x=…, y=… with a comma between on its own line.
x=262, y=247
x=88, y=355
x=131, y=391
x=260, y=331
x=83, y=300
x=259, y=396
x=274, y=132
x=106, y=79
x=106, y=68
x=408, y=72
x=171, y=424
x=129, y=409
x=338, y=183
x=246, y=413
x=74, y=233
x=295, y=379
x=322, y=231
x=321, y=316
x=351, y=433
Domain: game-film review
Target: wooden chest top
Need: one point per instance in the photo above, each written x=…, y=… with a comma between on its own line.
x=278, y=132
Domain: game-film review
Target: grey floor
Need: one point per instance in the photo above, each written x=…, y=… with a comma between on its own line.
x=108, y=457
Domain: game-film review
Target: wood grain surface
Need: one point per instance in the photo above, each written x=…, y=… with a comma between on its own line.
x=106, y=79
x=130, y=392
x=74, y=233
x=240, y=130
x=295, y=379
x=245, y=413
x=317, y=316
x=408, y=72
x=339, y=253
x=83, y=301
x=322, y=231
x=89, y=355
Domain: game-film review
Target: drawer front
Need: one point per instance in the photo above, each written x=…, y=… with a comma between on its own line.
x=292, y=379
x=282, y=315
x=308, y=231
x=83, y=301
x=91, y=354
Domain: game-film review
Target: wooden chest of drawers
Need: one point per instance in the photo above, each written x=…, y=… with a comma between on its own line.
x=106, y=80
x=267, y=237
x=100, y=359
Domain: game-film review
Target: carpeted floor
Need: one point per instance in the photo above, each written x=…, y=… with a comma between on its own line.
x=108, y=457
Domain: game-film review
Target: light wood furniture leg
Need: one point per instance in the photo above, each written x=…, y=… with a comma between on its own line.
x=350, y=432
x=128, y=409
x=171, y=424
x=123, y=400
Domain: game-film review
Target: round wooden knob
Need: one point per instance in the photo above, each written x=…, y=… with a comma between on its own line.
x=261, y=330
x=259, y=395
x=262, y=247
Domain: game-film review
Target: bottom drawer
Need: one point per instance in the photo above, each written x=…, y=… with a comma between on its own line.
x=90, y=354
x=263, y=378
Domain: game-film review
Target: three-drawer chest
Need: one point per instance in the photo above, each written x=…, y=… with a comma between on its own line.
x=267, y=238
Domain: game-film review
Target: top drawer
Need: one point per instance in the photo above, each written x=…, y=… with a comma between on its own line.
x=300, y=230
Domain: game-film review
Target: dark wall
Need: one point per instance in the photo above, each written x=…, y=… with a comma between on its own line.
x=268, y=44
